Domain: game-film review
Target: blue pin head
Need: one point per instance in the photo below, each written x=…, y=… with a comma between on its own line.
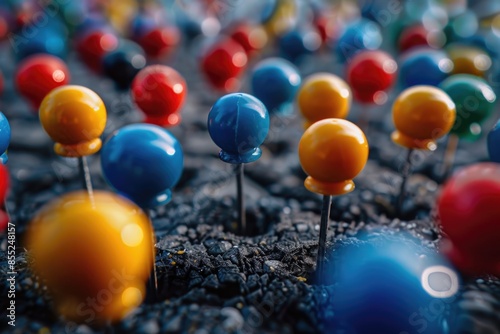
x=143, y=162
x=424, y=67
x=494, y=143
x=275, y=82
x=362, y=34
x=4, y=138
x=238, y=123
x=390, y=285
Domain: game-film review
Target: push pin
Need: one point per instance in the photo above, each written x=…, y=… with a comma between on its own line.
x=332, y=152
x=38, y=75
x=468, y=214
x=474, y=100
x=223, y=63
x=94, y=45
x=424, y=67
x=238, y=123
x=421, y=115
x=370, y=74
x=2, y=84
x=469, y=60
x=143, y=162
x=296, y=44
x=359, y=35
x=276, y=82
x=80, y=245
x=122, y=64
x=74, y=117
x=4, y=138
x=159, y=91
x=418, y=36
x=252, y=38
x=323, y=95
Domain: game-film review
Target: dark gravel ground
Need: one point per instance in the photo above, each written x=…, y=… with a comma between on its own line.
x=210, y=279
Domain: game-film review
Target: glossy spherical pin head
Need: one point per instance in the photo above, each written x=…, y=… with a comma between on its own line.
x=394, y=270
x=1, y=83
x=99, y=247
x=38, y=75
x=238, y=123
x=370, y=74
x=122, y=64
x=44, y=40
x=296, y=44
x=468, y=210
x=94, y=45
x=159, y=91
x=143, y=162
x=4, y=138
x=474, y=100
x=469, y=60
x=494, y=143
x=252, y=38
x=421, y=115
x=222, y=63
x=4, y=190
x=74, y=117
x=332, y=152
x=4, y=183
x=323, y=95
x=275, y=82
x=424, y=67
x=416, y=36
x=360, y=35
x=160, y=41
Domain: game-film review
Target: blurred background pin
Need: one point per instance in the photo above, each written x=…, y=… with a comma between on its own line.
x=159, y=91
x=4, y=138
x=74, y=117
x=275, y=82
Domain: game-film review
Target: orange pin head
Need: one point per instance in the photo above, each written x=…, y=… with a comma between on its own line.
x=422, y=114
x=74, y=117
x=324, y=95
x=93, y=254
x=469, y=60
x=332, y=152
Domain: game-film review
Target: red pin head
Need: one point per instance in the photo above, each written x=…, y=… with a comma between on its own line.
x=1, y=83
x=38, y=75
x=222, y=63
x=93, y=46
x=468, y=211
x=370, y=74
x=159, y=91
